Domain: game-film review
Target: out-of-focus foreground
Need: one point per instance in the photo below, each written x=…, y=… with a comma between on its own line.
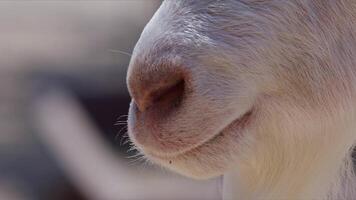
x=62, y=89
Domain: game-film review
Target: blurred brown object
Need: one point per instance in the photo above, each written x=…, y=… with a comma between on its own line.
x=95, y=169
x=71, y=39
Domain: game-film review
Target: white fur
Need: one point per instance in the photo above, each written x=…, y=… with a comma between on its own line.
x=291, y=62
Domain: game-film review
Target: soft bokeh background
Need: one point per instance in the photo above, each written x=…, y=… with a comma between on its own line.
x=62, y=90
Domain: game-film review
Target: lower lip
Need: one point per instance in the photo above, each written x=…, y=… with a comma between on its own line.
x=237, y=125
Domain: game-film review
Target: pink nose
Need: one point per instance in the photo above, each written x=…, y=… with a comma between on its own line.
x=157, y=88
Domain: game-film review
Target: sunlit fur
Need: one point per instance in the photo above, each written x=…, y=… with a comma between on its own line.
x=291, y=63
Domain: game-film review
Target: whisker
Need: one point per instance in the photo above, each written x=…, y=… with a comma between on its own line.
x=120, y=52
x=132, y=148
x=120, y=123
x=124, y=139
x=122, y=132
x=122, y=117
x=136, y=159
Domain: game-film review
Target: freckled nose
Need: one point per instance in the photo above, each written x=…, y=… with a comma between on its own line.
x=160, y=88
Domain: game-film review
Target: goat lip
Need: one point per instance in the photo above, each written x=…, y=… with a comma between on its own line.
x=237, y=124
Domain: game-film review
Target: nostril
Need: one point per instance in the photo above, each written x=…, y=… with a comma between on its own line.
x=166, y=95
x=170, y=95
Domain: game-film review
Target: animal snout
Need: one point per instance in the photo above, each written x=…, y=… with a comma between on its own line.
x=158, y=88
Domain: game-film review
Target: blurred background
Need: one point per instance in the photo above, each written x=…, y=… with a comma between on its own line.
x=63, y=104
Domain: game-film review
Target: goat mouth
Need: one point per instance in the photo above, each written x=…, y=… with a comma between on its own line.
x=235, y=127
